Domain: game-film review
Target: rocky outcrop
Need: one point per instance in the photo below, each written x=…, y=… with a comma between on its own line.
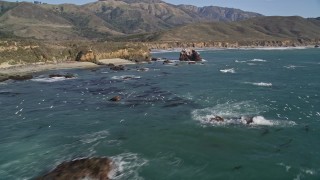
x=26, y=52
x=189, y=55
x=16, y=77
x=116, y=99
x=117, y=68
x=88, y=168
x=86, y=56
x=136, y=55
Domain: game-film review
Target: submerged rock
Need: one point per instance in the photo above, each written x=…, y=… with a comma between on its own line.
x=88, y=168
x=116, y=99
x=217, y=119
x=118, y=68
x=68, y=76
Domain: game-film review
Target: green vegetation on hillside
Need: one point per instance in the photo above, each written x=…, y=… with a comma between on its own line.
x=104, y=19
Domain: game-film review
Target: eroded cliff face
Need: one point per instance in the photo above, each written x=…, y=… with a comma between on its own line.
x=233, y=44
x=26, y=52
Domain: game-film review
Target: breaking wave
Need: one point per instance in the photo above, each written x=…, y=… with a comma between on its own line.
x=228, y=70
x=258, y=60
x=236, y=113
x=262, y=84
x=126, y=77
x=50, y=80
x=126, y=166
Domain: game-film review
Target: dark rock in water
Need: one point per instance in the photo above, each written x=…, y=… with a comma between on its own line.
x=217, y=119
x=118, y=68
x=187, y=55
x=316, y=46
x=248, y=120
x=143, y=69
x=116, y=98
x=237, y=168
x=127, y=78
x=21, y=77
x=88, y=168
x=167, y=62
x=68, y=76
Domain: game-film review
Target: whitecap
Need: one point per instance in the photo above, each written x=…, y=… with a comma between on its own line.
x=240, y=61
x=262, y=84
x=228, y=70
x=126, y=166
x=260, y=120
x=126, y=77
x=309, y=171
x=258, y=60
x=292, y=66
x=93, y=137
x=53, y=79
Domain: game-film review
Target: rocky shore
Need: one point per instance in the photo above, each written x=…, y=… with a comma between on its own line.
x=233, y=44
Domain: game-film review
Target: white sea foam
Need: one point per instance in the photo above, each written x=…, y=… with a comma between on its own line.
x=126, y=166
x=292, y=66
x=126, y=77
x=93, y=137
x=258, y=60
x=237, y=61
x=228, y=70
x=286, y=166
x=53, y=79
x=230, y=111
x=309, y=171
x=262, y=84
x=236, y=113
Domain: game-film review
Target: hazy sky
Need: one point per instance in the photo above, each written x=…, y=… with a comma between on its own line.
x=305, y=8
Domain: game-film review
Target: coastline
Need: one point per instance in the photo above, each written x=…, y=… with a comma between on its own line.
x=32, y=68
x=232, y=48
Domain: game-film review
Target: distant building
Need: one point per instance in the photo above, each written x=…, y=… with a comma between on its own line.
x=37, y=2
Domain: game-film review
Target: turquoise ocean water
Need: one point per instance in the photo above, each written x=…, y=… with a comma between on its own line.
x=161, y=129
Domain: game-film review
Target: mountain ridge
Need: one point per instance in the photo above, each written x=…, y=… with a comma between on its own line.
x=105, y=18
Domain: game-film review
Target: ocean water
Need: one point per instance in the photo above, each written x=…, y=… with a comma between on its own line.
x=162, y=128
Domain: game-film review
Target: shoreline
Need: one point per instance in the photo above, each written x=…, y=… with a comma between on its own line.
x=33, y=68
x=233, y=48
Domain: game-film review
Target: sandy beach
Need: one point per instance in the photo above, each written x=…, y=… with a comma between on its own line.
x=31, y=68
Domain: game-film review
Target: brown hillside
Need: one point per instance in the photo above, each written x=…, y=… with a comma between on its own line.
x=261, y=28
